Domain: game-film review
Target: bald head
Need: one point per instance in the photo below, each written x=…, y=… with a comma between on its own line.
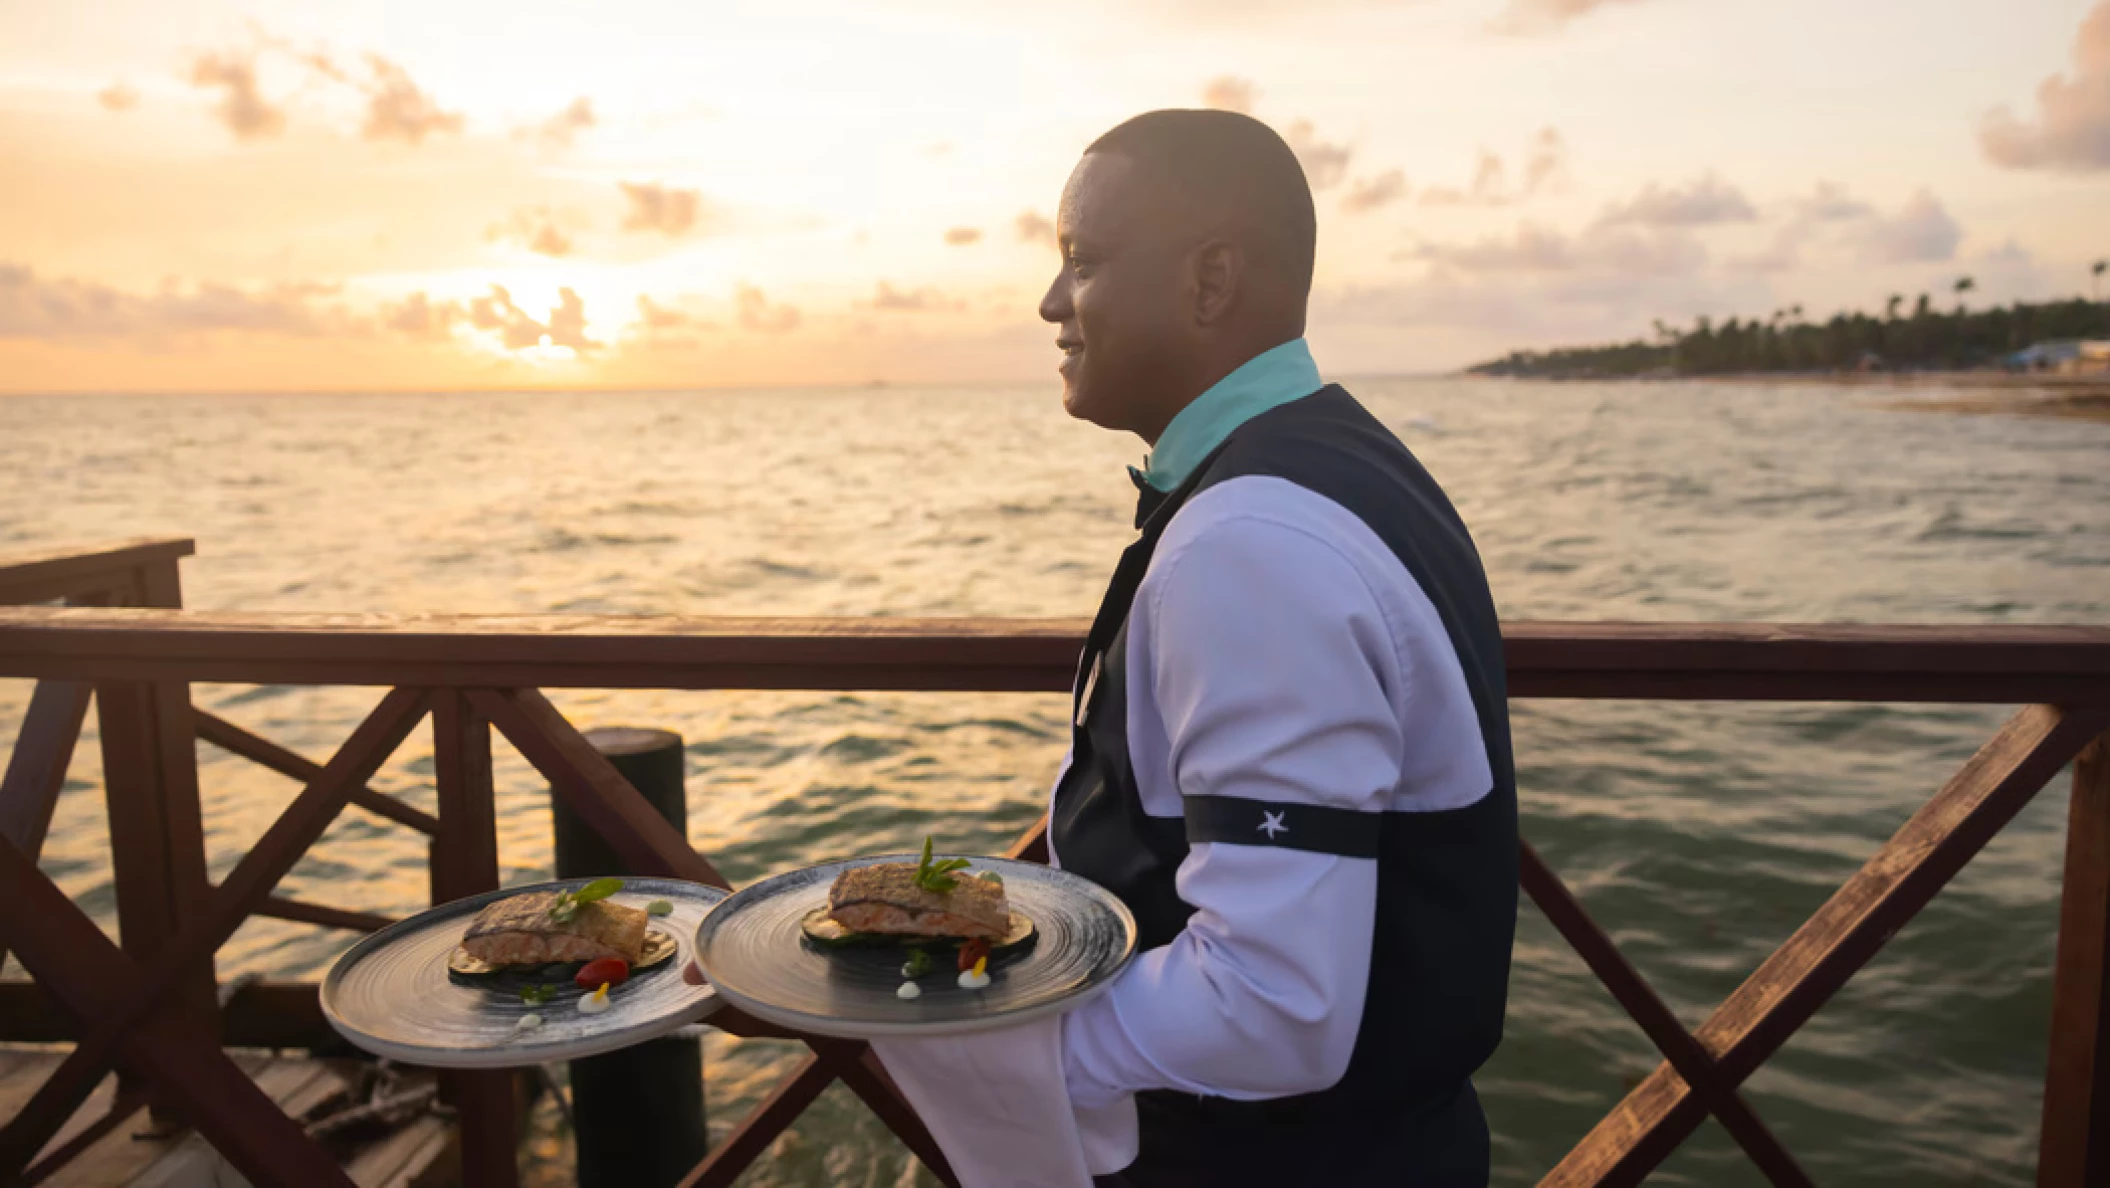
x=1187, y=241
x=1230, y=175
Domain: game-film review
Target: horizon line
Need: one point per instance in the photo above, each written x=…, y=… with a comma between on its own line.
x=624, y=390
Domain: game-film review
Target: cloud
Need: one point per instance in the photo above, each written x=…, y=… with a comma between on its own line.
x=560, y=130
x=1489, y=186
x=1033, y=228
x=1843, y=227
x=1230, y=93
x=1324, y=164
x=661, y=326
x=535, y=228
x=2072, y=129
x=658, y=318
x=2013, y=271
x=1544, y=16
x=756, y=312
x=1829, y=202
x=117, y=97
x=1576, y=288
x=567, y=323
x=495, y=311
x=1705, y=201
x=1372, y=192
x=962, y=236
x=887, y=298
x=242, y=108
x=1546, y=162
x=397, y=109
x=32, y=307
x=1545, y=167
x=1921, y=232
x=418, y=316
x=655, y=207
x=1602, y=249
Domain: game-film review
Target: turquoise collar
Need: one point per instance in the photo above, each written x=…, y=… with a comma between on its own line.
x=1267, y=380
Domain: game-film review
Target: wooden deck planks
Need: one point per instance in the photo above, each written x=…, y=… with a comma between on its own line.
x=417, y=1154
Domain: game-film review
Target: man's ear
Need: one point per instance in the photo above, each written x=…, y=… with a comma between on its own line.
x=1218, y=270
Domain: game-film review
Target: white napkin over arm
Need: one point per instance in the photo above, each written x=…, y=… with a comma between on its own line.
x=997, y=1104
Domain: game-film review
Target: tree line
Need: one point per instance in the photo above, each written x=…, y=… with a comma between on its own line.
x=1922, y=338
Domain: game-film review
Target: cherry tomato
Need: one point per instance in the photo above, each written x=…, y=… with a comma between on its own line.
x=972, y=952
x=612, y=970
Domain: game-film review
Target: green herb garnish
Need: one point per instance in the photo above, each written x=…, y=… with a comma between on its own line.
x=659, y=907
x=990, y=876
x=918, y=964
x=568, y=902
x=537, y=994
x=937, y=876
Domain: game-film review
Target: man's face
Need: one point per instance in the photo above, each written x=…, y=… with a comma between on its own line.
x=1119, y=301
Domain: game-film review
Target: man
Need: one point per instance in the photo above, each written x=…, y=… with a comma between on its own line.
x=1291, y=747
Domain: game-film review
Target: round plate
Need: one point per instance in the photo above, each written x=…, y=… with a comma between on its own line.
x=752, y=950
x=391, y=993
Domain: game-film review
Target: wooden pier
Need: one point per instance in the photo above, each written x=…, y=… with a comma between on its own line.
x=422, y=1154
x=147, y=1006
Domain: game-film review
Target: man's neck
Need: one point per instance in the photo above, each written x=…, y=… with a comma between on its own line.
x=1274, y=376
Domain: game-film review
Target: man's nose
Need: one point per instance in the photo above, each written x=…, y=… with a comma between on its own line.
x=1055, y=303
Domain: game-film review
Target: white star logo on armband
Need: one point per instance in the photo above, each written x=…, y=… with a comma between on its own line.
x=1271, y=823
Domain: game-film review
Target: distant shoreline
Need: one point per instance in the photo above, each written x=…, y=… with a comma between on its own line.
x=2072, y=397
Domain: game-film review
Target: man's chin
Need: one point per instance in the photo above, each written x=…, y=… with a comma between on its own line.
x=1076, y=400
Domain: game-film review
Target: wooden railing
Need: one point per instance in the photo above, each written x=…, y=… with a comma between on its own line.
x=138, y=1005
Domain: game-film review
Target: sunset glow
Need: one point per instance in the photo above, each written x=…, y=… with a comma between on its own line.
x=465, y=194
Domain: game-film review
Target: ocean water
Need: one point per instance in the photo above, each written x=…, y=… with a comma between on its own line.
x=1699, y=835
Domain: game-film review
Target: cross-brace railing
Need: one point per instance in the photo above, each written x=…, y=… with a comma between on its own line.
x=138, y=1004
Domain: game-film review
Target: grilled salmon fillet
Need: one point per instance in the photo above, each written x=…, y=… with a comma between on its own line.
x=884, y=897
x=519, y=931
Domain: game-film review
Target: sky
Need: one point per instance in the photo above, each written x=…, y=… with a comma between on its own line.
x=468, y=194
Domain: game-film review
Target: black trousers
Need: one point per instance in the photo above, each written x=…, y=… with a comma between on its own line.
x=1190, y=1142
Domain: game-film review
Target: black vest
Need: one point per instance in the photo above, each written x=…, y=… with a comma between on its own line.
x=1447, y=881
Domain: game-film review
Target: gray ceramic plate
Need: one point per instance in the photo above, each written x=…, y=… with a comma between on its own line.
x=752, y=950
x=392, y=995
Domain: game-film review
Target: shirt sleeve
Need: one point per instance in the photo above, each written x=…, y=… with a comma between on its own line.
x=1270, y=662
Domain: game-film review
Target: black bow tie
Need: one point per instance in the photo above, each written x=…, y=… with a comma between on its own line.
x=1148, y=498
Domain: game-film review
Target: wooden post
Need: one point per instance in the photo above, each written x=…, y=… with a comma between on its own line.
x=466, y=851
x=640, y=1111
x=2075, y=1150
x=157, y=832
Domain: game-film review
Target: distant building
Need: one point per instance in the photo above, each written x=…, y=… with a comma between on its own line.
x=2066, y=356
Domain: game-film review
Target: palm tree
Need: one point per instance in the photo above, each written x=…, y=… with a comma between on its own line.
x=1891, y=306
x=1964, y=284
x=2095, y=276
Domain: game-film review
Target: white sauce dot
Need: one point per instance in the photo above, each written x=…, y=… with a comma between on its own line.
x=909, y=990
x=971, y=980
x=528, y=1022
x=593, y=1004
